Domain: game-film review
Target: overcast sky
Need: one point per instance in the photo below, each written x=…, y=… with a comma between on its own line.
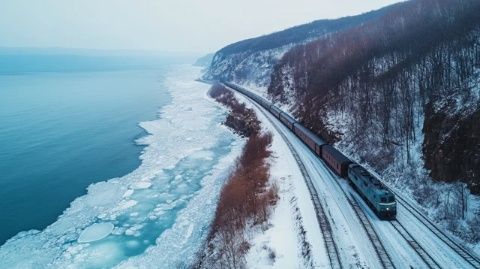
x=164, y=25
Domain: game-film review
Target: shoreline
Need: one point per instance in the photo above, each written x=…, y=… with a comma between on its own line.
x=143, y=196
x=75, y=143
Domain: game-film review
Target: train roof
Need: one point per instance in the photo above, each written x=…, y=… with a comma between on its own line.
x=310, y=134
x=288, y=117
x=274, y=107
x=336, y=154
x=367, y=176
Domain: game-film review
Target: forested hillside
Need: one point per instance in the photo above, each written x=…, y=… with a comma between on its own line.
x=402, y=86
x=397, y=89
x=252, y=60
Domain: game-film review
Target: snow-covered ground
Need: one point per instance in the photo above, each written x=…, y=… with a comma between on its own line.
x=355, y=248
x=293, y=214
x=156, y=216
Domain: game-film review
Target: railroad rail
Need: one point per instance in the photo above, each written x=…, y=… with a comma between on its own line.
x=378, y=246
x=326, y=229
x=372, y=234
x=467, y=255
x=461, y=251
x=385, y=259
x=429, y=261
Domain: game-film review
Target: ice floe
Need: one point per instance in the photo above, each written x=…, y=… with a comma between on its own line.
x=157, y=214
x=95, y=232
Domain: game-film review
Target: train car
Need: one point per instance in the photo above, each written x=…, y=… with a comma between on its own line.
x=372, y=190
x=275, y=111
x=309, y=138
x=375, y=193
x=336, y=160
x=255, y=97
x=287, y=120
x=263, y=102
x=266, y=104
x=318, y=146
x=235, y=87
x=248, y=93
x=319, y=143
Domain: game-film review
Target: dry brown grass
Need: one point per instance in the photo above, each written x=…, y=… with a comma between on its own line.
x=241, y=120
x=246, y=198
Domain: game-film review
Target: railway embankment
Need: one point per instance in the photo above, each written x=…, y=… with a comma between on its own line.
x=247, y=197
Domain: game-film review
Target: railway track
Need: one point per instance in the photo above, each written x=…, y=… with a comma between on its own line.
x=429, y=261
x=380, y=250
x=372, y=234
x=330, y=244
x=461, y=251
x=467, y=255
x=384, y=258
x=326, y=229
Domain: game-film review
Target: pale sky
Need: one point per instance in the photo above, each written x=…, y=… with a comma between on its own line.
x=164, y=25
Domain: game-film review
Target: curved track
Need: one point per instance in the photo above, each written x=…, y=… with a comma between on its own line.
x=372, y=234
x=382, y=253
x=461, y=251
x=331, y=246
x=414, y=244
x=380, y=250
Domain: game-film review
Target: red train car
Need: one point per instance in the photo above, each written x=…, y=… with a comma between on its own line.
x=309, y=138
x=287, y=120
x=275, y=111
x=336, y=160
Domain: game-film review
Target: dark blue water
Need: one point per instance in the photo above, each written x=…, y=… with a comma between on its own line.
x=62, y=131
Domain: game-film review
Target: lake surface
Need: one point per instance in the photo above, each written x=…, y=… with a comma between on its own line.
x=77, y=190
x=62, y=130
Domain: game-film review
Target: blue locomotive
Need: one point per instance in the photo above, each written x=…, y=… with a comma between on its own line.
x=378, y=197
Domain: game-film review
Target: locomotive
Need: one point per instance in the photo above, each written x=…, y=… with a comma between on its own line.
x=377, y=196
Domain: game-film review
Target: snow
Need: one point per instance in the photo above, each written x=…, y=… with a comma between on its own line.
x=352, y=239
x=293, y=210
x=246, y=66
x=157, y=214
x=434, y=246
x=354, y=246
x=95, y=232
x=406, y=172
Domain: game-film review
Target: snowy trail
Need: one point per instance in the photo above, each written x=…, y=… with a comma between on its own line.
x=409, y=243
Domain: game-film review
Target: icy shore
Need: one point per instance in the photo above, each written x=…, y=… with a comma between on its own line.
x=159, y=213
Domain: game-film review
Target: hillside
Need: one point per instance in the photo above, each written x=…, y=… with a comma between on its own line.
x=399, y=92
x=252, y=60
x=406, y=82
x=204, y=61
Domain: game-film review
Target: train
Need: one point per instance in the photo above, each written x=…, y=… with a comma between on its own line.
x=376, y=195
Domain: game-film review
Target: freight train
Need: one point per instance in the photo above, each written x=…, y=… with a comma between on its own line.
x=378, y=197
